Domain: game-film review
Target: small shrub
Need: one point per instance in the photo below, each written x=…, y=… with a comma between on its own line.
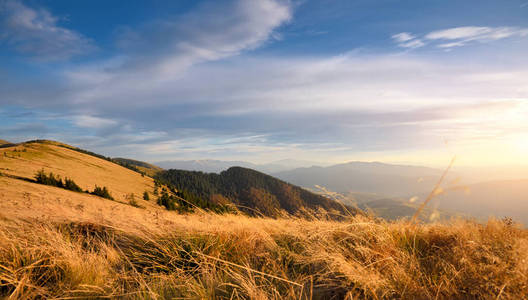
x=42, y=178
x=50, y=179
x=102, y=192
x=146, y=196
x=69, y=184
x=168, y=201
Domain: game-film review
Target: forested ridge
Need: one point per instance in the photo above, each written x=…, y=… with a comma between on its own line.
x=251, y=191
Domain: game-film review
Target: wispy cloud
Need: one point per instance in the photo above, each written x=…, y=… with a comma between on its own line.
x=211, y=32
x=35, y=32
x=87, y=121
x=407, y=40
x=343, y=102
x=403, y=37
x=159, y=53
x=458, y=36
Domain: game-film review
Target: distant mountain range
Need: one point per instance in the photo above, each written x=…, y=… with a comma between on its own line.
x=366, y=177
x=394, y=191
x=217, y=166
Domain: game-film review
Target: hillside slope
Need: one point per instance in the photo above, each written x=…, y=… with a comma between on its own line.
x=109, y=250
x=4, y=143
x=251, y=191
x=25, y=159
x=144, y=167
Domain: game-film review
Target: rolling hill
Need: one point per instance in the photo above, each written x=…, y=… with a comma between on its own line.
x=251, y=191
x=24, y=160
x=4, y=144
x=144, y=167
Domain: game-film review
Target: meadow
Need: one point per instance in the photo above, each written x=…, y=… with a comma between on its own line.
x=206, y=256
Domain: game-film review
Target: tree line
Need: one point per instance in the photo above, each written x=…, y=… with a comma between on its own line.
x=54, y=180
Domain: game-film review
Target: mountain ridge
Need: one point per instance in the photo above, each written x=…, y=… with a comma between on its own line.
x=217, y=166
x=248, y=188
x=366, y=177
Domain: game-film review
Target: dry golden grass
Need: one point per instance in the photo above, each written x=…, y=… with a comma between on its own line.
x=125, y=252
x=56, y=243
x=85, y=170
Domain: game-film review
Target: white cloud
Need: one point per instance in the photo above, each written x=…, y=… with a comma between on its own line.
x=211, y=32
x=35, y=32
x=87, y=121
x=311, y=100
x=159, y=53
x=412, y=44
x=460, y=36
x=403, y=37
x=337, y=106
x=458, y=33
x=407, y=40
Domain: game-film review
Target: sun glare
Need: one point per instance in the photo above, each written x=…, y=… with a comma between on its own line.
x=520, y=142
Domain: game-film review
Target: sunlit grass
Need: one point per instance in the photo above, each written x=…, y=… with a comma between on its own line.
x=237, y=257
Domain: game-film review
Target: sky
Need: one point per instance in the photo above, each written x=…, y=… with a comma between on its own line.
x=262, y=80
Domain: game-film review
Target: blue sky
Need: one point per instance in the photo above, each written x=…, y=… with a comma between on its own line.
x=263, y=80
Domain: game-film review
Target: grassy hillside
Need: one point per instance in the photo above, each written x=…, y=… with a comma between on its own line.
x=144, y=167
x=4, y=143
x=251, y=191
x=25, y=159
